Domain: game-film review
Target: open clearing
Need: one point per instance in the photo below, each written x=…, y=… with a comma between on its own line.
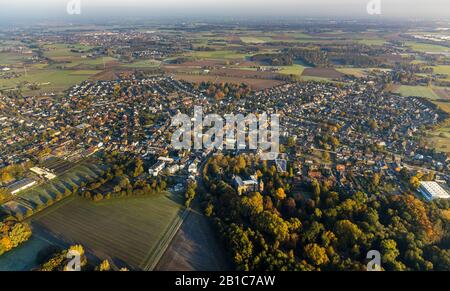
x=125, y=231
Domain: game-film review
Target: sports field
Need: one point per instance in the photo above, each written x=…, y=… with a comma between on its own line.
x=128, y=232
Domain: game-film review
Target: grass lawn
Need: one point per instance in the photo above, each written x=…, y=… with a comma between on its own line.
x=417, y=91
x=125, y=231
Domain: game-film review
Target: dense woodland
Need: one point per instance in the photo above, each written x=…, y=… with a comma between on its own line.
x=320, y=228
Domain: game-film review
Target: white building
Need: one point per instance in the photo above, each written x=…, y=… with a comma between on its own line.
x=43, y=172
x=432, y=190
x=157, y=168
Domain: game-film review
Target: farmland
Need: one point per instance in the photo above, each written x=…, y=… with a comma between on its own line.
x=292, y=70
x=423, y=47
x=417, y=91
x=194, y=248
x=443, y=70
x=221, y=54
x=128, y=232
x=441, y=137
x=64, y=69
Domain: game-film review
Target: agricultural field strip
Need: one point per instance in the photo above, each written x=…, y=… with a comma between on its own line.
x=155, y=256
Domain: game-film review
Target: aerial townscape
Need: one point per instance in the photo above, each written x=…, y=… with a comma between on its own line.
x=88, y=164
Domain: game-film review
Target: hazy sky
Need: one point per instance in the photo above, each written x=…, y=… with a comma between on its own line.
x=229, y=8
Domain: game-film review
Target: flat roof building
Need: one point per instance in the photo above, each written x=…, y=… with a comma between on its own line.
x=432, y=190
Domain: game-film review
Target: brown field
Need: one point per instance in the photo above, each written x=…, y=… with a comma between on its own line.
x=443, y=93
x=195, y=248
x=322, y=72
x=392, y=88
x=257, y=84
x=105, y=75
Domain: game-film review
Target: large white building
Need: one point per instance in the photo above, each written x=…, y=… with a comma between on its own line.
x=432, y=190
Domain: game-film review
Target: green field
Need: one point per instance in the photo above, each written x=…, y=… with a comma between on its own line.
x=48, y=79
x=292, y=70
x=417, y=91
x=10, y=59
x=441, y=137
x=424, y=47
x=128, y=232
x=222, y=54
x=255, y=40
x=143, y=64
x=445, y=70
